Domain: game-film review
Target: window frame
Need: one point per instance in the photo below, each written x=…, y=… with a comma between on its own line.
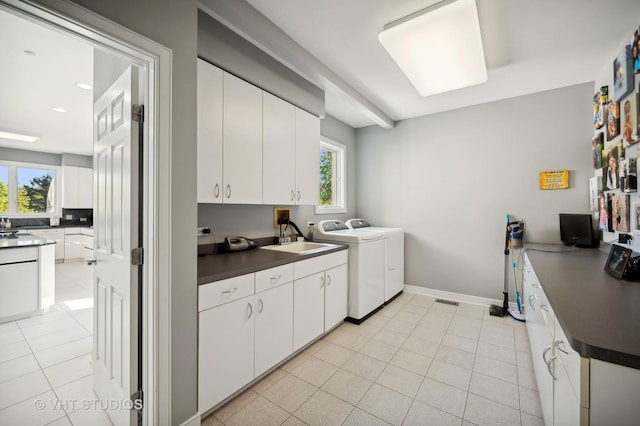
x=341, y=184
x=13, y=188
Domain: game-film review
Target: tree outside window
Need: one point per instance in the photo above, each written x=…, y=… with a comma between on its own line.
x=332, y=182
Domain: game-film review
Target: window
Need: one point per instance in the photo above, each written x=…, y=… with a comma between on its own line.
x=27, y=189
x=332, y=181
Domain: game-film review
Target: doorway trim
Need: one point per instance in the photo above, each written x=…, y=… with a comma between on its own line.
x=156, y=63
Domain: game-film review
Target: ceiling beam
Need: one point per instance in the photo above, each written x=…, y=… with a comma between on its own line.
x=249, y=23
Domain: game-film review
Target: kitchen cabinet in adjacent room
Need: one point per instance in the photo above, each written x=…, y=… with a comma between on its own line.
x=77, y=187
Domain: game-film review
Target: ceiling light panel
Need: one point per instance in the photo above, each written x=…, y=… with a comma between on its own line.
x=438, y=48
x=17, y=136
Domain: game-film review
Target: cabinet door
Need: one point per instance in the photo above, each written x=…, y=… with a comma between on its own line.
x=242, y=146
x=209, y=133
x=335, y=301
x=70, y=187
x=226, y=351
x=85, y=188
x=308, y=309
x=566, y=405
x=279, y=151
x=19, y=288
x=274, y=327
x=307, y=158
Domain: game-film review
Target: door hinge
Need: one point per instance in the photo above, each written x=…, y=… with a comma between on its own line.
x=137, y=256
x=137, y=113
x=138, y=399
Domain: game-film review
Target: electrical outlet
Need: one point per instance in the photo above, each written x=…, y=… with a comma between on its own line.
x=279, y=214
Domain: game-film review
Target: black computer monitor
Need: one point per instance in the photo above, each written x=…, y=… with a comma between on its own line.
x=578, y=230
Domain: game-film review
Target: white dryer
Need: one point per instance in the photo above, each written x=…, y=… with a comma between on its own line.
x=394, y=256
x=366, y=266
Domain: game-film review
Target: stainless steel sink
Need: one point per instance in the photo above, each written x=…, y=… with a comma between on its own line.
x=302, y=247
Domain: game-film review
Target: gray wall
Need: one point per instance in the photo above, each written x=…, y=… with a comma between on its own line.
x=450, y=178
x=174, y=25
x=222, y=47
x=255, y=221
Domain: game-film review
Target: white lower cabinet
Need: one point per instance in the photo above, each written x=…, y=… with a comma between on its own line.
x=226, y=350
x=308, y=312
x=574, y=390
x=274, y=327
x=251, y=323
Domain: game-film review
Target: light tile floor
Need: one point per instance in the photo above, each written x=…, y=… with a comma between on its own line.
x=415, y=362
x=45, y=361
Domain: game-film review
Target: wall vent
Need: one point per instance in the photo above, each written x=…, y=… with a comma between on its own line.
x=447, y=302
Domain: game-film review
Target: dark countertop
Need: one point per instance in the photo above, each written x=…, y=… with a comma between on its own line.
x=24, y=240
x=221, y=266
x=35, y=227
x=599, y=314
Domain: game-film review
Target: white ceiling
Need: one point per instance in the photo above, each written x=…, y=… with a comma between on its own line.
x=530, y=46
x=31, y=85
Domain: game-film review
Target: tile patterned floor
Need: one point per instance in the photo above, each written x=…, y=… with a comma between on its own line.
x=47, y=358
x=415, y=362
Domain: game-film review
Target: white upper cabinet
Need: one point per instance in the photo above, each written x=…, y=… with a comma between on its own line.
x=253, y=147
x=279, y=151
x=77, y=187
x=242, y=146
x=209, y=133
x=307, y=158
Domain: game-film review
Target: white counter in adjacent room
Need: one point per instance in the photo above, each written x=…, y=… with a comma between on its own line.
x=27, y=276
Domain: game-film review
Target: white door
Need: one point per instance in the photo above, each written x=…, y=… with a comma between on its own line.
x=115, y=341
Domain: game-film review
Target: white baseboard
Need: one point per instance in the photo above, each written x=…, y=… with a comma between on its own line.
x=456, y=297
x=195, y=420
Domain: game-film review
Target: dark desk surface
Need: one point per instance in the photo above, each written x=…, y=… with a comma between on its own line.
x=220, y=266
x=599, y=314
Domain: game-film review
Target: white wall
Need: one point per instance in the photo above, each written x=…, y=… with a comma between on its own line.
x=450, y=178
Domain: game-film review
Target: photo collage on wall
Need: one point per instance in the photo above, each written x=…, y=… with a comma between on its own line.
x=613, y=189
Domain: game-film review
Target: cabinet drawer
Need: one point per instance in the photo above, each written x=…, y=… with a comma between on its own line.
x=12, y=255
x=273, y=277
x=317, y=264
x=219, y=292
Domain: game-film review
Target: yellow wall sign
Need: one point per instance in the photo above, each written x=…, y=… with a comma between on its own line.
x=558, y=179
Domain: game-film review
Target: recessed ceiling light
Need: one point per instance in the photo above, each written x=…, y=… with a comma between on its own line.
x=84, y=86
x=17, y=136
x=438, y=48
x=30, y=52
x=58, y=109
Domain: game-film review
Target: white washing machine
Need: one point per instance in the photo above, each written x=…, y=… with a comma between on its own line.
x=366, y=266
x=394, y=256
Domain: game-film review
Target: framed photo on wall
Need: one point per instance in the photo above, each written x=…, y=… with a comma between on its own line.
x=595, y=188
x=628, y=175
x=610, y=158
x=613, y=120
x=620, y=212
x=597, y=145
x=635, y=218
x=598, y=110
x=623, y=74
x=629, y=125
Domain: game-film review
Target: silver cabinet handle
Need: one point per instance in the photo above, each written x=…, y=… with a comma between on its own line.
x=544, y=307
x=228, y=191
x=292, y=195
x=228, y=292
x=558, y=343
x=275, y=279
x=535, y=285
x=250, y=310
x=261, y=306
x=216, y=191
x=328, y=280
x=298, y=195
x=322, y=279
x=92, y=262
x=531, y=296
x=553, y=358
